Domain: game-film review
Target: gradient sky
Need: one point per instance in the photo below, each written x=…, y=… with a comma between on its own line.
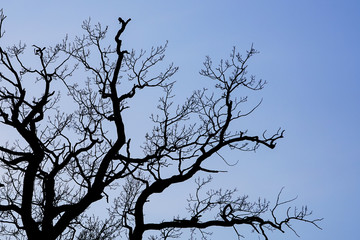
x=309, y=54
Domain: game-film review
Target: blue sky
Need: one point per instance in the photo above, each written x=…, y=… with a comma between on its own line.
x=309, y=54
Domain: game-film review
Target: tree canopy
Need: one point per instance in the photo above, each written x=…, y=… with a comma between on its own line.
x=71, y=147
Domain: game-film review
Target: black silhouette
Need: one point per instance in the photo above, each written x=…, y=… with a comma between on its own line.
x=73, y=148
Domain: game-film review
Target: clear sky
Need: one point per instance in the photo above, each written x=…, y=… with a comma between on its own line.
x=309, y=54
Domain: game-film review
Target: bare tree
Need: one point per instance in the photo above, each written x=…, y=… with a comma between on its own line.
x=72, y=150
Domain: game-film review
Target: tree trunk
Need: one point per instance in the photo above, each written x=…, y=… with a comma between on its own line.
x=137, y=234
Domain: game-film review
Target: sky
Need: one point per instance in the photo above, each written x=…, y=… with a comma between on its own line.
x=309, y=55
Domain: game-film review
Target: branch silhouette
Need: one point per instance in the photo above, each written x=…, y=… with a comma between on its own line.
x=72, y=148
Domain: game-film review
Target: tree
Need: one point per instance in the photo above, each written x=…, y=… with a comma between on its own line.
x=66, y=159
